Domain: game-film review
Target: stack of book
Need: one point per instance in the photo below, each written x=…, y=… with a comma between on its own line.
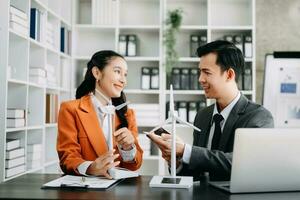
x=185, y=78
x=128, y=45
x=34, y=155
x=65, y=40
x=37, y=21
x=146, y=114
x=51, y=108
x=50, y=35
x=145, y=144
x=150, y=78
x=51, y=77
x=104, y=12
x=15, y=118
x=37, y=75
x=18, y=20
x=15, y=159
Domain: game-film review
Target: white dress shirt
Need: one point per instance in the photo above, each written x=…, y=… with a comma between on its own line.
x=225, y=113
x=103, y=120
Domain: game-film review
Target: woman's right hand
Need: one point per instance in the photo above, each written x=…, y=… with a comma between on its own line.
x=102, y=164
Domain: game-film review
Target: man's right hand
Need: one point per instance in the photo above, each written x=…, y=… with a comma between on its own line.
x=102, y=164
x=164, y=144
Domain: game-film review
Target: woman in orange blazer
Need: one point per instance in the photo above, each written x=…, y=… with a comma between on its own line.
x=82, y=131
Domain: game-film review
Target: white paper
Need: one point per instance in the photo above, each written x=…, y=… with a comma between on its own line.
x=92, y=182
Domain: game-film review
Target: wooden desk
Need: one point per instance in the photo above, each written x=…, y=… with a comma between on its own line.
x=28, y=187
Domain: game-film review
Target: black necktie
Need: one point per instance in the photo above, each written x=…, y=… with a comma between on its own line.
x=217, y=133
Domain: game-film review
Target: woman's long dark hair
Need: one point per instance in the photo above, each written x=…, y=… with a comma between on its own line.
x=101, y=59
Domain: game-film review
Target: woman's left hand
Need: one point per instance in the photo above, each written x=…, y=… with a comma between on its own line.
x=124, y=138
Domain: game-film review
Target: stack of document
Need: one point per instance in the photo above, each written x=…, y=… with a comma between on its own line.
x=80, y=182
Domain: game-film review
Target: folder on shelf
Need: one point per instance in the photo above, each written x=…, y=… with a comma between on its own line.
x=192, y=111
x=247, y=78
x=131, y=45
x=69, y=181
x=201, y=104
x=154, y=83
x=238, y=41
x=194, y=79
x=248, y=46
x=194, y=44
x=202, y=40
x=182, y=110
x=123, y=45
x=228, y=38
x=146, y=78
x=176, y=78
x=35, y=23
x=184, y=79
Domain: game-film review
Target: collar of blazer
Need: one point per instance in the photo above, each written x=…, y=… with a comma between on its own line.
x=236, y=111
x=91, y=125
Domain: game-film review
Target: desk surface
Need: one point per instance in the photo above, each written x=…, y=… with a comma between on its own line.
x=28, y=187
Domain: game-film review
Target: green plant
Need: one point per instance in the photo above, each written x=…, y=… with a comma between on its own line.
x=173, y=22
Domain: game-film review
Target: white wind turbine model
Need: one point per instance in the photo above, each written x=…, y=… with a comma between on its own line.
x=172, y=181
x=116, y=173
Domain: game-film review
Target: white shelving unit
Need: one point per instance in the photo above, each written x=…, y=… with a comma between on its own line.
x=145, y=18
x=19, y=51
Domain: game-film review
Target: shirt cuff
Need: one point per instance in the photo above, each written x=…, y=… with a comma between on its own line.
x=128, y=155
x=83, y=167
x=187, y=153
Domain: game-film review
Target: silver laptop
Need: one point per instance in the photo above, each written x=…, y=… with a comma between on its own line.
x=264, y=160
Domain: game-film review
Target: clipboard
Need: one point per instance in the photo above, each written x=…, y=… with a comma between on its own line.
x=80, y=183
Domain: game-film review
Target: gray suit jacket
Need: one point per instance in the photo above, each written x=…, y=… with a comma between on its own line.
x=245, y=114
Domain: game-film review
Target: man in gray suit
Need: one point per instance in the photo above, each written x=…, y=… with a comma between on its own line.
x=221, y=63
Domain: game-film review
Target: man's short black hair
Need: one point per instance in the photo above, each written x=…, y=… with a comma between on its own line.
x=228, y=56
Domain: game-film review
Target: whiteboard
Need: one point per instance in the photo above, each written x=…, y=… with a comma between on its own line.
x=281, y=94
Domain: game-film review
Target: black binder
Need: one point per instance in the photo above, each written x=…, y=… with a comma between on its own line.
x=154, y=74
x=238, y=41
x=228, y=38
x=146, y=78
x=131, y=45
x=123, y=45
x=247, y=78
x=182, y=110
x=194, y=79
x=176, y=78
x=194, y=44
x=248, y=46
x=202, y=40
x=185, y=79
x=201, y=104
x=192, y=111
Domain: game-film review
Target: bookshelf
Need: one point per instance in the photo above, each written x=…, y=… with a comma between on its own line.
x=20, y=56
x=145, y=19
x=92, y=32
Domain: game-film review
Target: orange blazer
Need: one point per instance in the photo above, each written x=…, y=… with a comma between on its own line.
x=80, y=136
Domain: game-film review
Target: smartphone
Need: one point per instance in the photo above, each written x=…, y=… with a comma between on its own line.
x=161, y=131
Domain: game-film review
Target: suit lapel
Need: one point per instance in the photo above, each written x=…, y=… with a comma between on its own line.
x=90, y=123
x=205, y=127
x=234, y=115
